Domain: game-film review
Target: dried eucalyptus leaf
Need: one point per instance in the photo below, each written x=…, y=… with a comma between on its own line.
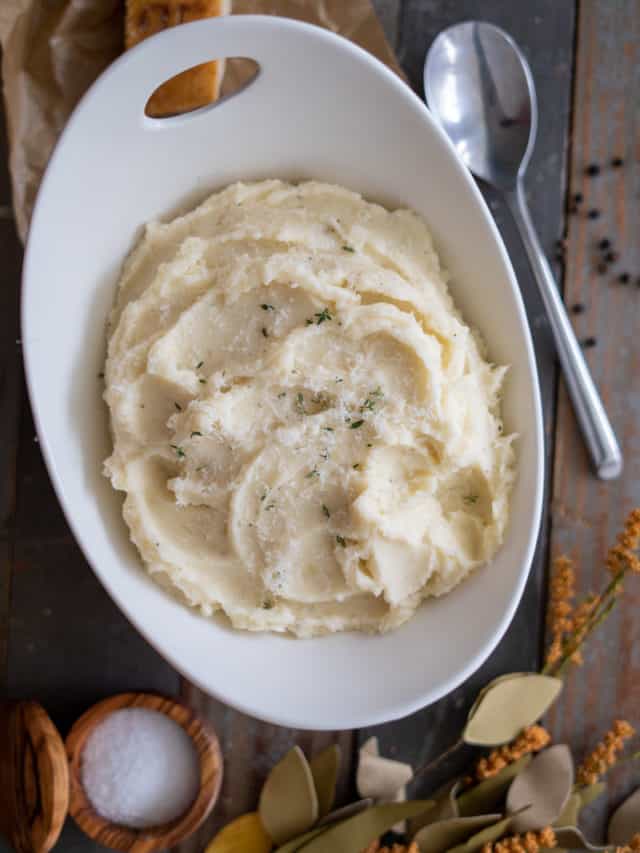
x=507, y=677
x=571, y=838
x=325, y=768
x=454, y=808
x=378, y=777
x=443, y=834
x=245, y=834
x=625, y=821
x=346, y=811
x=590, y=793
x=569, y=814
x=545, y=785
x=384, y=779
x=508, y=705
x=288, y=801
x=370, y=747
x=579, y=799
x=356, y=833
x=446, y=802
x=298, y=843
x=485, y=836
x=488, y=795
x=445, y=806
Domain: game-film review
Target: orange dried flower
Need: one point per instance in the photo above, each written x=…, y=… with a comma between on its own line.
x=583, y=613
x=560, y=609
x=606, y=753
x=570, y=629
x=547, y=837
x=632, y=847
x=374, y=847
x=554, y=652
x=531, y=739
x=531, y=842
x=581, y=617
x=622, y=556
x=623, y=729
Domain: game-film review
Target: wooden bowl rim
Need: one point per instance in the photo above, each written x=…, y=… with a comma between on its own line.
x=118, y=836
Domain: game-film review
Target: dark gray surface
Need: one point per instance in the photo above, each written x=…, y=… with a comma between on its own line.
x=68, y=644
x=10, y=394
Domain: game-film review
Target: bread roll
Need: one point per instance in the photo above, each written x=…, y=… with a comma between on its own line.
x=190, y=89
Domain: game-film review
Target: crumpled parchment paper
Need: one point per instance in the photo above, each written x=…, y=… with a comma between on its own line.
x=54, y=49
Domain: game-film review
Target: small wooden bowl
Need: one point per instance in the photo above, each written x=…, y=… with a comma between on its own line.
x=34, y=778
x=157, y=837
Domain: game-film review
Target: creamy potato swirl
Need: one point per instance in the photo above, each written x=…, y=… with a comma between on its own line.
x=307, y=433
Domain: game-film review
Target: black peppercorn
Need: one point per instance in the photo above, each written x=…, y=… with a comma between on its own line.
x=604, y=244
x=587, y=343
x=594, y=213
x=578, y=308
x=617, y=162
x=578, y=198
x=611, y=257
x=593, y=170
x=624, y=278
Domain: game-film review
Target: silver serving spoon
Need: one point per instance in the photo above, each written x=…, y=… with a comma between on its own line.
x=480, y=88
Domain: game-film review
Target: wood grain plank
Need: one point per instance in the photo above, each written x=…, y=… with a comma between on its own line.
x=545, y=30
x=587, y=513
x=70, y=644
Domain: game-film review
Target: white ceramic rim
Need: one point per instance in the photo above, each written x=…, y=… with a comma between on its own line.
x=393, y=710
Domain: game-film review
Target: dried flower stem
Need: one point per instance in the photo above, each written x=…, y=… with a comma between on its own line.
x=603, y=605
x=570, y=633
x=431, y=765
x=633, y=757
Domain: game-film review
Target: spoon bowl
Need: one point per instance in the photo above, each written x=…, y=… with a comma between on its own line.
x=482, y=92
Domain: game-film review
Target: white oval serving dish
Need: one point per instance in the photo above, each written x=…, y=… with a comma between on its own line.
x=320, y=108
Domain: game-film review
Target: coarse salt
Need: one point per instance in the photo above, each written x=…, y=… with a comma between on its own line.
x=140, y=768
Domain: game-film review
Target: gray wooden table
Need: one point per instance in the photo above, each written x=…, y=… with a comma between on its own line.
x=64, y=642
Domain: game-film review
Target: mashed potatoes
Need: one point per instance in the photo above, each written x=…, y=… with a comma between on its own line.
x=307, y=433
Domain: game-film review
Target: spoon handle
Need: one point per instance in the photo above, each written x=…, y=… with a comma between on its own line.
x=595, y=425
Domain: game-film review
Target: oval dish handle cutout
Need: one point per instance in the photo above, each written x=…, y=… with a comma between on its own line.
x=201, y=87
